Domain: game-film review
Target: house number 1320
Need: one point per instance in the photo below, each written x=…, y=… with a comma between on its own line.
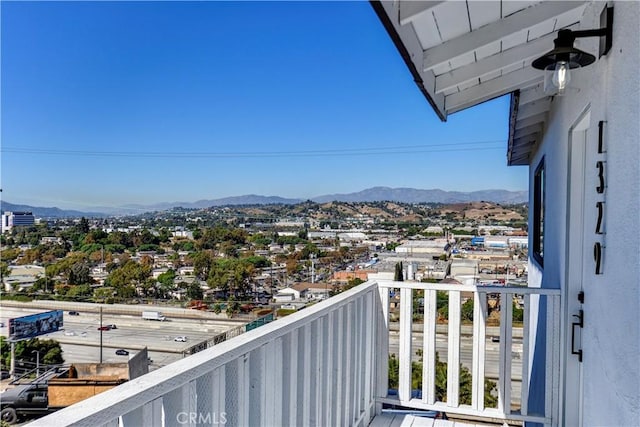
x=598, y=246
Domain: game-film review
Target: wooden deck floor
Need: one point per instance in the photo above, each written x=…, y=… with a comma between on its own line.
x=407, y=420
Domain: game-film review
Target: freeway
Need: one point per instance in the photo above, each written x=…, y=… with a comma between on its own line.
x=492, y=356
x=80, y=338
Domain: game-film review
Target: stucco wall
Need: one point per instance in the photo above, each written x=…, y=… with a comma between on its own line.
x=610, y=88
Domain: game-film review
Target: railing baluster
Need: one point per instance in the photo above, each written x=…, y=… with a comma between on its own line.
x=306, y=374
x=290, y=379
x=339, y=371
x=272, y=385
x=331, y=364
x=243, y=384
x=180, y=406
x=134, y=418
x=479, y=348
x=256, y=367
x=357, y=367
x=453, y=364
x=429, y=347
x=348, y=355
x=404, y=357
x=204, y=391
x=507, y=308
x=503, y=375
x=151, y=414
x=524, y=388
x=319, y=368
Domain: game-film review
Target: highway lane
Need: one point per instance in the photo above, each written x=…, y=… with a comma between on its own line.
x=80, y=338
x=492, y=356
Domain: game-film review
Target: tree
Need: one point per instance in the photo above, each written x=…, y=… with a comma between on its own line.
x=83, y=225
x=202, y=264
x=466, y=313
x=518, y=313
x=466, y=378
x=26, y=351
x=194, y=291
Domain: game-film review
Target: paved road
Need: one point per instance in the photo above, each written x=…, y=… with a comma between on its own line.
x=492, y=356
x=80, y=339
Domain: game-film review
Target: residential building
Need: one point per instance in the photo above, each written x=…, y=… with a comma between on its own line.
x=22, y=277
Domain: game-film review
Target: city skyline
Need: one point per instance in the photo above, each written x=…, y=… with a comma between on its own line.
x=108, y=104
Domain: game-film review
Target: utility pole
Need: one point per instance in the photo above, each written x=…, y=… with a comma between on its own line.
x=313, y=267
x=101, y=334
x=37, y=362
x=13, y=360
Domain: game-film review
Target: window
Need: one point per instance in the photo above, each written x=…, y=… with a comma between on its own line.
x=538, y=213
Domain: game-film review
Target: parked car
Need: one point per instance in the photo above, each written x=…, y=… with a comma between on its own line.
x=4, y=375
x=74, y=313
x=104, y=328
x=495, y=339
x=180, y=339
x=122, y=352
x=112, y=326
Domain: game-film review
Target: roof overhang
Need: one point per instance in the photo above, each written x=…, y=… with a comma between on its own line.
x=463, y=53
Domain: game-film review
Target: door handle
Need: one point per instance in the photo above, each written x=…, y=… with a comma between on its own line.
x=579, y=323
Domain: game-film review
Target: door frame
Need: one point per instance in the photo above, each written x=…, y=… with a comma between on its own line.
x=579, y=136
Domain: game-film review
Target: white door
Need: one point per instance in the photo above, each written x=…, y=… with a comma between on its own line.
x=577, y=224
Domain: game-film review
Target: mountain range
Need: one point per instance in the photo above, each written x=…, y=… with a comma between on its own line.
x=374, y=194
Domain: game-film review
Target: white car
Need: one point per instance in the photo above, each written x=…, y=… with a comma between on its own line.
x=180, y=339
x=69, y=333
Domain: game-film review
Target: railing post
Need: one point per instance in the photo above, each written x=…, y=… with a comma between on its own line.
x=369, y=354
x=526, y=327
x=382, y=345
x=552, y=384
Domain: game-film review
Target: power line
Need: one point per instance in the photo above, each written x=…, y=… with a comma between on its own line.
x=406, y=149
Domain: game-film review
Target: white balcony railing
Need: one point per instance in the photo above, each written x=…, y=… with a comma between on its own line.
x=327, y=365
x=476, y=342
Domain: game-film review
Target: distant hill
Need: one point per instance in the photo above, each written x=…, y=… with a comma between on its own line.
x=375, y=194
x=250, y=199
x=412, y=195
x=48, y=212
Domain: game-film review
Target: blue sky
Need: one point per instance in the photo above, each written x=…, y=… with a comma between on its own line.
x=111, y=103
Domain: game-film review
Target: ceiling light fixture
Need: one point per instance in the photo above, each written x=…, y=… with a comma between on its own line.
x=559, y=62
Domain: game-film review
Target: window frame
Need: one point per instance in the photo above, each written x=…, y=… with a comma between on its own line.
x=539, y=194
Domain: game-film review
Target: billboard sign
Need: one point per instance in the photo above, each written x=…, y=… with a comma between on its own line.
x=35, y=325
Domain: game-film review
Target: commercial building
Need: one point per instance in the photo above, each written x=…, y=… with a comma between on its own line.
x=16, y=219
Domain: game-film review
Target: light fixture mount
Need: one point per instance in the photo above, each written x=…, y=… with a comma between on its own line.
x=573, y=58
